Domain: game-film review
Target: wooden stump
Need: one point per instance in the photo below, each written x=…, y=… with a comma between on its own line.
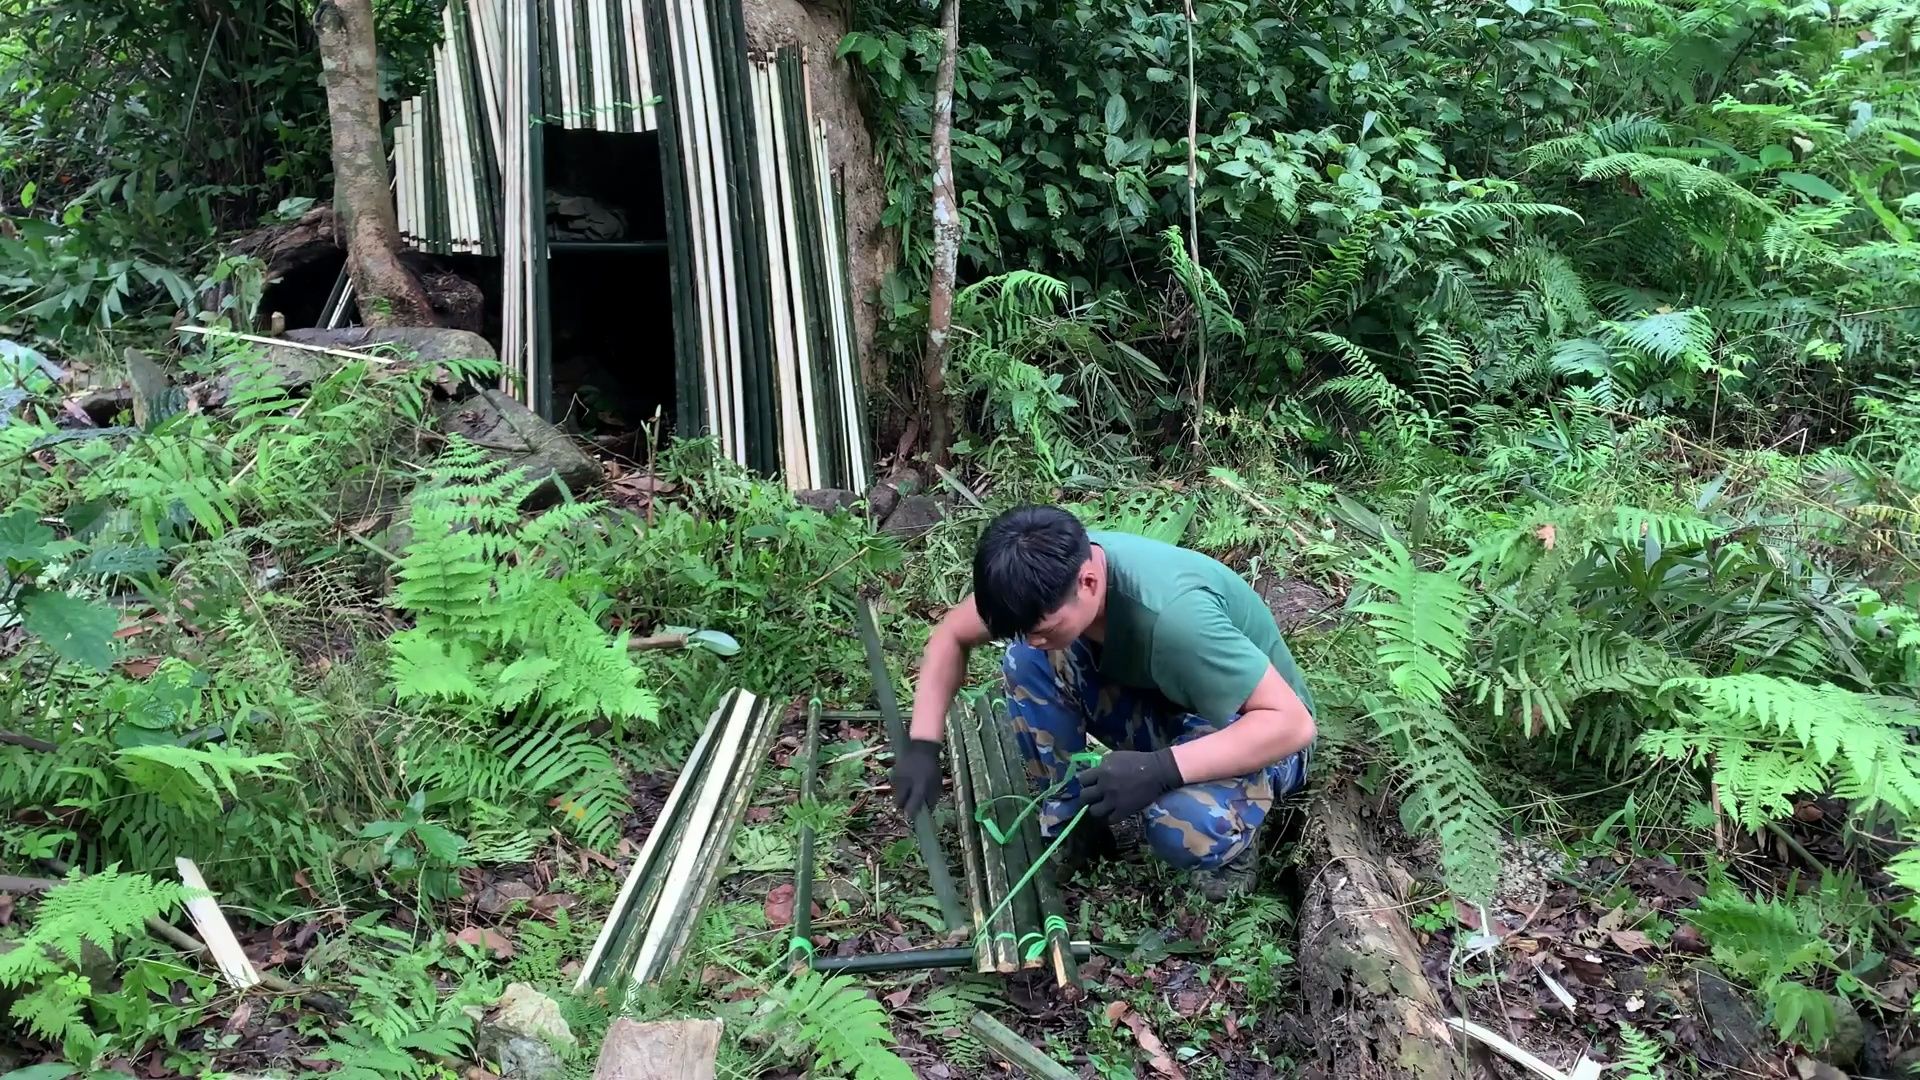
x=1360, y=974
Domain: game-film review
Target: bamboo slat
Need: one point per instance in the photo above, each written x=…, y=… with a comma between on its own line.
x=679, y=884
x=972, y=858
x=716, y=843
x=998, y=935
x=803, y=866
x=1046, y=892
x=625, y=915
x=1012, y=786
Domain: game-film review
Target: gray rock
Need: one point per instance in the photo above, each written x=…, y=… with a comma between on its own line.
x=511, y=432
x=886, y=495
x=294, y=370
x=522, y=1010
x=1849, y=1035
x=421, y=344
x=1737, y=1032
x=915, y=515
x=520, y=1058
x=827, y=500
x=1808, y=1069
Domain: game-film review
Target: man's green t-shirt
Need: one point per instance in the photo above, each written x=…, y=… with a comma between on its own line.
x=1186, y=625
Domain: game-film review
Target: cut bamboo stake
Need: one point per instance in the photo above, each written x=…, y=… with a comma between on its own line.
x=1015, y=1049
x=803, y=869
x=998, y=937
x=1585, y=1069
x=679, y=880
x=972, y=858
x=938, y=873
x=911, y=960
x=283, y=343
x=205, y=913
x=621, y=919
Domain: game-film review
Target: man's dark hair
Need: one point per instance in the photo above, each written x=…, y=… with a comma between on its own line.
x=1025, y=565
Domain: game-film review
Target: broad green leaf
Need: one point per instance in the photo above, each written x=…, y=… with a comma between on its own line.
x=1772, y=157
x=23, y=538
x=79, y=631
x=1808, y=184
x=1116, y=112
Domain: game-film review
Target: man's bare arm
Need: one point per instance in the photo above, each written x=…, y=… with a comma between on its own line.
x=1273, y=724
x=943, y=667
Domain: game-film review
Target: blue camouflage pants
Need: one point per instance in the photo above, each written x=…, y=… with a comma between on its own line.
x=1055, y=700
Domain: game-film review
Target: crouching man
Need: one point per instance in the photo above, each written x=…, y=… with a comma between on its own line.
x=1164, y=655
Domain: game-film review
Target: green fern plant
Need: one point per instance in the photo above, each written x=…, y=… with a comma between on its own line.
x=1421, y=621
x=86, y=910
x=1775, y=946
x=503, y=630
x=836, y=1023
x=1640, y=1055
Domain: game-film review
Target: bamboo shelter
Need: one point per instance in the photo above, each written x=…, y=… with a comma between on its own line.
x=745, y=210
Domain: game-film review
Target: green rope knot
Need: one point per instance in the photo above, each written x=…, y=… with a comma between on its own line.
x=800, y=944
x=1032, y=945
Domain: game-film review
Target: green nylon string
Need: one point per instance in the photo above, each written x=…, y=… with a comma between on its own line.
x=800, y=944
x=984, y=816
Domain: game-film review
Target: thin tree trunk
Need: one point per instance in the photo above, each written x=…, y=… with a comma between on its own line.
x=388, y=293
x=1193, y=235
x=946, y=241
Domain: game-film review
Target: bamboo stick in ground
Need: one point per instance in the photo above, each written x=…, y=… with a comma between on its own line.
x=938, y=874
x=999, y=934
x=1015, y=1049
x=970, y=854
x=1010, y=782
x=803, y=871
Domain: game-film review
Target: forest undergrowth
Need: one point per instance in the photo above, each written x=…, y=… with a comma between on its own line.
x=1564, y=353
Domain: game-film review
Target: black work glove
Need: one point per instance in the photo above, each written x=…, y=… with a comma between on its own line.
x=1125, y=781
x=916, y=776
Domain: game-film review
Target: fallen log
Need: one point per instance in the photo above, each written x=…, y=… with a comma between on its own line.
x=1371, y=1005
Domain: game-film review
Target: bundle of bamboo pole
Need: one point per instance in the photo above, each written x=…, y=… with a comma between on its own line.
x=659, y=905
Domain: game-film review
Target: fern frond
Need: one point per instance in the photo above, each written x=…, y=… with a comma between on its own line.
x=1421, y=631
x=846, y=1029
x=99, y=909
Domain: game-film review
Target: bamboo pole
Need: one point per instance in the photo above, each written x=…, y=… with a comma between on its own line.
x=803, y=870
x=621, y=919
x=998, y=935
x=1015, y=1049
x=802, y=359
x=540, y=386
x=939, y=876
x=972, y=858
x=910, y=960
x=1010, y=783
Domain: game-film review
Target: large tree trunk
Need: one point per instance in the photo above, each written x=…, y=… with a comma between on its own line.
x=946, y=241
x=1376, y=1014
x=388, y=293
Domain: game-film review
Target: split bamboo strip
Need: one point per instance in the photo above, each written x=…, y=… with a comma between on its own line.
x=690, y=379
x=972, y=858
x=802, y=358
x=214, y=929
x=803, y=868
x=483, y=132
x=679, y=883
x=490, y=52
x=718, y=842
x=630, y=909
x=1012, y=788
x=540, y=384
x=721, y=225
x=436, y=226
x=840, y=317
x=800, y=148
x=860, y=425
x=763, y=455
x=460, y=151
x=603, y=66
x=624, y=116
x=997, y=934
x=796, y=460
x=643, y=66
x=584, y=107
x=546, y=42
x=938, y=874
x=688, y=91
x=1052, y=911
x=513, y=187
x=567, y=63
